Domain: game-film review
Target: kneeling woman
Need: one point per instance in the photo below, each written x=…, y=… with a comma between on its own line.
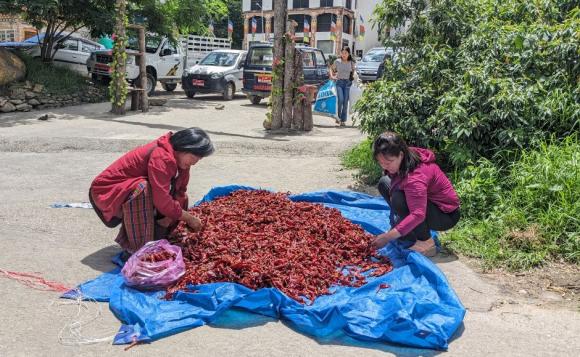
x=421, y=197
x=145, y=189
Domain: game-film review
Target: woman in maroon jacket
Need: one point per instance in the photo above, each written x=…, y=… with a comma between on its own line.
x=145, y=189
x=421, y=197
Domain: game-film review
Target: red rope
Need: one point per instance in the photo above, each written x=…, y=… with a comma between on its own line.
x=35, y=281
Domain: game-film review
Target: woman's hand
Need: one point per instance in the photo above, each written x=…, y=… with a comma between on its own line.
x=164, y=222
x=192, y=221
x=383, y=239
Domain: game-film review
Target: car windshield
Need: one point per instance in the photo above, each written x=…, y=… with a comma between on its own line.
x=376, y=56
x=151, y=43
x=261, y=56
x=220, y=59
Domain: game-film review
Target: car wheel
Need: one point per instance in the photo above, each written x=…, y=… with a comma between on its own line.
x=229, y=91
x=150, y=85
x=190, y=94
x=169, y=87
x=255, y=99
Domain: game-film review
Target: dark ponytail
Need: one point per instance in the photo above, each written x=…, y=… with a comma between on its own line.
x=391, y=144
x=193, y=140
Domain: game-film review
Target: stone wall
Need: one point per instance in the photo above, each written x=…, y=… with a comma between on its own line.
x=26, y=96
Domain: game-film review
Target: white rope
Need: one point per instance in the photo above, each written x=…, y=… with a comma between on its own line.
x=72, y=332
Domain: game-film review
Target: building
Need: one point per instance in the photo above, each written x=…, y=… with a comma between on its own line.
x=12, y=28
x=364, y=14
x=321, y=15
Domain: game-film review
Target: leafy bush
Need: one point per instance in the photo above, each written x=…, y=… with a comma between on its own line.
x=57, y=80
x=361, y=158
x=477, y=78
x=534, y=214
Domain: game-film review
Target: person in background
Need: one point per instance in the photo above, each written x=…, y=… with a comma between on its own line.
x=144, y=191
x=421, y=197
x=342, y=71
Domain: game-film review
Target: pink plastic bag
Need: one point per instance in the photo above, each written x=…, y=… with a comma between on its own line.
x=156, y=265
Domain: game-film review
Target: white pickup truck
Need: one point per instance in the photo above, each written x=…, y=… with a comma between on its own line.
x=165, y=60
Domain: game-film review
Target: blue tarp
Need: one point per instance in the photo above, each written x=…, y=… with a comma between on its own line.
x=419, y=309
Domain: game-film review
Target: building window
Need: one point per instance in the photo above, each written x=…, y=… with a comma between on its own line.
x=7, y=36
x=256, y=5
x=326, y=46
x=260, y=24
x=301, y=4
x=300, y=20
x=326, y=3
x=346, y=24
x=348, y=4
x=324, y=22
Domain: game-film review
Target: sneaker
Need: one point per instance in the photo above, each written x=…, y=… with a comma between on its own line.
x=337, y=121
x=342, y=123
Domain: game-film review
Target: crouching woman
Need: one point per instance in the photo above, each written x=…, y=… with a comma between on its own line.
x=421, y=197
x=144, y=191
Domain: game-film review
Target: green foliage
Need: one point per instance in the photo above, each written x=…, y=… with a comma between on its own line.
x=56, y=80
x=477, y=78
x=361, y=158
x=533, y=209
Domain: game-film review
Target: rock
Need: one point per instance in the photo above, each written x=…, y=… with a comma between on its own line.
x=18, y=93
x=220, y=107
x=30, y=95
x=523, y=292
x=38, y=88
x=24, y=107
x=16, y=101
x=157, y=102
x=3, y=101
x=27, y=85
x=7, y=108
x=43, y=117
x=33, y=102
x=12, y=68
x=43, y=100
x=550, y=296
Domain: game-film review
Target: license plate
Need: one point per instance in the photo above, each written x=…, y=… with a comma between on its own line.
x=262, y=87
x=198, y=82
x=265, y=78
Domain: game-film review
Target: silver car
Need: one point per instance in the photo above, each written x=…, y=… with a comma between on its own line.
x=368, y=67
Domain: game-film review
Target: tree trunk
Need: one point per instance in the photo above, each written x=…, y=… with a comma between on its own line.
x=298, y=115
x=289, y=74
x=277, y=96
x=118, y=85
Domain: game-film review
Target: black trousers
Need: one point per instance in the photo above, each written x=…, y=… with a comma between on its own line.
x=435, y=219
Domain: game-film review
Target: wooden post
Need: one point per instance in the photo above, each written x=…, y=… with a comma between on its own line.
x=118, y=83
x=289, y=74
x=143, y=70
x=277, y=98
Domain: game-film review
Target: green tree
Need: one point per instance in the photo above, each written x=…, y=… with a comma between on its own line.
x=61, y=18
x=477, y=78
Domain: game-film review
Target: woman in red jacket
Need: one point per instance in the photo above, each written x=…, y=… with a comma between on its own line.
x=421, y=197
x=145, y=189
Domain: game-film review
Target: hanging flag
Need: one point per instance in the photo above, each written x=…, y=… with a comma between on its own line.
x=254, y=25
x=306, y=30
x=230, y=29
x=333, y=30
x=210, y=28
x=362, y=30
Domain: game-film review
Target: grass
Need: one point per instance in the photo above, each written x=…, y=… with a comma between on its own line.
x=56, y=80
x=514, y=217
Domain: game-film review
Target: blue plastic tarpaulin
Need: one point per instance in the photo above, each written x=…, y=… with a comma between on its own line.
x=327, y=100
x=419, y=308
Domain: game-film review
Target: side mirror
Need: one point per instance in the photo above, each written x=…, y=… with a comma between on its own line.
x=241, y=65
x=196, y=61
x=166, y=52
x=60, y=45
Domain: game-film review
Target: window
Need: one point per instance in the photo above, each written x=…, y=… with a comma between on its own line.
x=7, y=36
x=300, y=20
x=256, y=5
x=326, y=46
x=320, y=60
x=308, y=59
x=326, y=3
x=261, y=56
x=220, y=59
x=348, y=4
x=70, y=44
x=301, y=4
x=324, y=22
x=346, y=24
x=169, y=45
x=88, y=47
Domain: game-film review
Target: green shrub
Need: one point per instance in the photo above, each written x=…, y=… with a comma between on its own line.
x=361, y=158
x=479, y=187
x=474, y=78
x=535, y=216
x=57, y=80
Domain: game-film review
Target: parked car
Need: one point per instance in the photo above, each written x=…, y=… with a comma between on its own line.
x=258, y=70
x=221, y=71
x=368, y=68
x=71, y=52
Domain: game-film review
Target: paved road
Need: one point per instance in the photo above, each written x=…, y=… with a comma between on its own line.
x=47, y=161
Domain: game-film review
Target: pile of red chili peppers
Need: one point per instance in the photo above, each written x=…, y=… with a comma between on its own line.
x=263, y=239
x=160, y=256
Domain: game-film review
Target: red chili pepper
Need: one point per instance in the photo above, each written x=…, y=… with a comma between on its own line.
x=262, y=239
